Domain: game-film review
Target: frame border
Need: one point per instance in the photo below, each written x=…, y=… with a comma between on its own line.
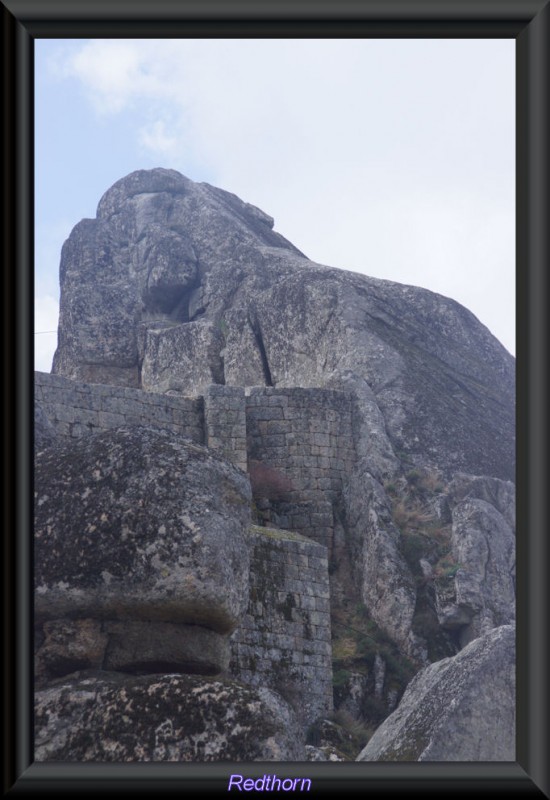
x=526, y=21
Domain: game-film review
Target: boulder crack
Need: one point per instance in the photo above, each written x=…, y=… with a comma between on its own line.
x=258, y=337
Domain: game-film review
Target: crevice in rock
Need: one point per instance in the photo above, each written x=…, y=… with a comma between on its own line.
x=216, y=360
x=170, y=302
x=257, y=333
x=217, y=369
x=165, y=667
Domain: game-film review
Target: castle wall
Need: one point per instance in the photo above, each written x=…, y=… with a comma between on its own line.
x=75, y=409
x=225, y=423
x=284, y=641
x=305, y=434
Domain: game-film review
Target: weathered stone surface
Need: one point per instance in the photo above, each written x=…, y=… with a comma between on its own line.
x=183, y=356
x=387, y=585
x=68, y=646
x=458, y=709
x=109, y=717
x=134, y=524
x=350, y=382
x=324, y=753
x=167, y=253
x=136, y=646
x=44, y=434
x=500, y=494
x=283, y=641
x=483, y=545
x=373, y=447
x=75, y=409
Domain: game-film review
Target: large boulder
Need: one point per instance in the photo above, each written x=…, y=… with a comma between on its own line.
x=106, y=716
x=459, y=709
x=481, y=593
x=133, y=524
x=66, y=646
x=175, y=284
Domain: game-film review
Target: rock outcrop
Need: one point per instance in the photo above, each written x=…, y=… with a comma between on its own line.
x=143, y=548
x=372, y=535
x=483, y=546
x=105, y=716
x=387, y=583
x=176, y=285
x=458, y=709
x=133, y=525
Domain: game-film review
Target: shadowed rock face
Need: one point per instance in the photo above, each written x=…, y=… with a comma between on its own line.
x=176, y=285
x=458, y=709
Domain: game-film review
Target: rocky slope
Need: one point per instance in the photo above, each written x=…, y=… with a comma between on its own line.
x=396, y=457
x=176, y=285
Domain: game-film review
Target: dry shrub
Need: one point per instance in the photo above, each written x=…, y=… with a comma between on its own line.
x=410, y=516
x=267, y=482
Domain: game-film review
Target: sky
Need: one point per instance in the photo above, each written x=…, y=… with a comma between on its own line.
x=393, y=158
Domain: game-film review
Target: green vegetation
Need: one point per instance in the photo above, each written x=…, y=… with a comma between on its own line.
x=422, y=534
x=278, y=533
x=356, y=642
x=224, y=328
x=424, y=537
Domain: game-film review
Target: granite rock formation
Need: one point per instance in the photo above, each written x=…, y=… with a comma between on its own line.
x=289, y=480
x=483, y=544
x=149, y=529
x=458, y=709
x=176, y=285
x=106, y=716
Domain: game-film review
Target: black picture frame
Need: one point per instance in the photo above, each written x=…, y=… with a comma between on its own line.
x=526, y=21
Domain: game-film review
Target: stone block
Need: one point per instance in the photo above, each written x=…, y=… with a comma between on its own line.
x=64, y=413
x=108, y=419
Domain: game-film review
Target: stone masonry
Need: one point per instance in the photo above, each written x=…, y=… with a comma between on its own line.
x=284, y=641
x=305, y=434
x=75, y=409
x=225, y=423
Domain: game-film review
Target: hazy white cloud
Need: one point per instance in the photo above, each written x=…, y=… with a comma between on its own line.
x=391, y=158
x=113, y=71
x=156, y=138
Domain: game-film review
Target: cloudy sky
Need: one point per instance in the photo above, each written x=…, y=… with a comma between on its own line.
x=394, y=158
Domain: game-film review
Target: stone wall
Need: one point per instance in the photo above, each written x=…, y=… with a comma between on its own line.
x=305, y=434
x=225, y=423
x=74, y=409
x=284, y=641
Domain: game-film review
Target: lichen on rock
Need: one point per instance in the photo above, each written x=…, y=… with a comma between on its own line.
x=134, y=525
x=366, y=429
x=106, y=716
